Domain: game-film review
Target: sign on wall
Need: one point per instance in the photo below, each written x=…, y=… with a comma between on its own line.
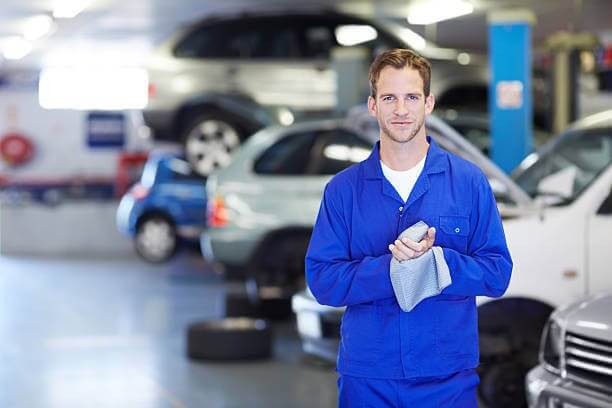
x=105, y=129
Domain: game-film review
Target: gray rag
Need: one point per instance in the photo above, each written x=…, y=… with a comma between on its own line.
x=416, y=279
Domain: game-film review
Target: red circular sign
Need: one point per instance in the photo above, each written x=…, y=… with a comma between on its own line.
x=16, y=149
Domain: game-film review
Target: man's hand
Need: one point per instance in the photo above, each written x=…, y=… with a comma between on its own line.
x=407, y=249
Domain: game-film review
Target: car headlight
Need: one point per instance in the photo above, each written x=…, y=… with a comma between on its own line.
x=552, y=346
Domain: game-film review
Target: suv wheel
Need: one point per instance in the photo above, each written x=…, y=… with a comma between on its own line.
x=156, y=239
x=210, y=139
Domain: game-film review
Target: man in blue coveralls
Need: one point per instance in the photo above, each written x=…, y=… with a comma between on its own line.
x=393, y=355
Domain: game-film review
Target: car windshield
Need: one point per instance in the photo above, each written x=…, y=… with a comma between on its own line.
x=563, y=171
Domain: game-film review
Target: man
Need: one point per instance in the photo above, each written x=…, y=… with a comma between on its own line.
x=424, y=357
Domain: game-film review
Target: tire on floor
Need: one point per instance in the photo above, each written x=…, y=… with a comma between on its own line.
x=238, y=338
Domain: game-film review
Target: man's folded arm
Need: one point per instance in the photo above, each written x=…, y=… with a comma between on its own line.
x=333, y=277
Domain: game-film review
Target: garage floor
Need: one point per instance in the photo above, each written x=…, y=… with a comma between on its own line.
x=110, y=333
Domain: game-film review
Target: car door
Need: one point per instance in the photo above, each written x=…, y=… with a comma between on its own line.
x=185, y=194
x=273, y=69
x=293, y=172
x=287, y=61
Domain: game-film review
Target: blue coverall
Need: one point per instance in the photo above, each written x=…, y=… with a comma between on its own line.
x=347, y=264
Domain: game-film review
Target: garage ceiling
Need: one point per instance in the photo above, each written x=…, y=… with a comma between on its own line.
x=127, y=30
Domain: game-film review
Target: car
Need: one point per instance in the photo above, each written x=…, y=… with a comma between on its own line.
x=167, y=206
x=558, y=241
x=575, y=367
x=263, y=205
x=221, y=79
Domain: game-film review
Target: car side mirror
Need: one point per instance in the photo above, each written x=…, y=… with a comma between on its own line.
x=606, y=206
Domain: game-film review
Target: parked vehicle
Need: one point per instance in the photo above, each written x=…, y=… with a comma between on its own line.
x=263, y=205
x=221, y=79
x=167, y=205
x=575, y=367
x=558, y=241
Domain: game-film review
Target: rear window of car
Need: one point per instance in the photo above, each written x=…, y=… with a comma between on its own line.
x=322, y=152
x=182, y=171
x=288, y=156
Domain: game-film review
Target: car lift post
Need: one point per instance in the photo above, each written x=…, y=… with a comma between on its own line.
x=510, y=100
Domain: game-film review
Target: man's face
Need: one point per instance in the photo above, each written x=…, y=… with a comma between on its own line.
x=400, y=105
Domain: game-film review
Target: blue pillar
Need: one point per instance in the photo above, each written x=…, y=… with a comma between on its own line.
x=510, y=100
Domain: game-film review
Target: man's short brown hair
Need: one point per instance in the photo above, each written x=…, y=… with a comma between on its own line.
x=400, y=58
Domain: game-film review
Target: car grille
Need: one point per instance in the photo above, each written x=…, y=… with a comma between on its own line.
x=589, y=360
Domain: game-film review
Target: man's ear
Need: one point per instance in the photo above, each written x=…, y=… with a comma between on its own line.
x=372, y=105
x=430, y=101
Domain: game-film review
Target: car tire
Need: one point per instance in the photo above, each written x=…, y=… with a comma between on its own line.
x=156, y=239
x=503, y=385
x=209, y=140
x=238, y=338
x=510, y=332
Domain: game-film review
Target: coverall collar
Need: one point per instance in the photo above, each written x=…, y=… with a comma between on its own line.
x=435, y=162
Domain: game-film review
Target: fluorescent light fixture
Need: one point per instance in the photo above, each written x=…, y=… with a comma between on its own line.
x=69, y=8
x=15, y=48
x=414, y=40
x=37, y=27
x=354, y=34
x=89, y=88
x=434, y=11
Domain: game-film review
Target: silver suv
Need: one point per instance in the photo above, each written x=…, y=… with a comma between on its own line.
x=218, y=81
x=575, y=357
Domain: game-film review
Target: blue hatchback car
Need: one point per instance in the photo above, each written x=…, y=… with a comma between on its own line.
x=167, y=205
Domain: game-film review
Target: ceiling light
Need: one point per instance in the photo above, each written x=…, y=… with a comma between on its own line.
x=354, y=34
x=86, y=88
x=15, y=48
x=37, y=27
x=69, y=8
x=434, y=11
x=414, y=40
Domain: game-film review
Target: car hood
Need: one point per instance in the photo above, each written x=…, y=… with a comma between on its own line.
x=590, y=317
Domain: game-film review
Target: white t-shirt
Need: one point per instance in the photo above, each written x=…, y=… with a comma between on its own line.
x=403, y=181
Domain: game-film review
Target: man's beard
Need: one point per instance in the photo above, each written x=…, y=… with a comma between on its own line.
x=399, y=137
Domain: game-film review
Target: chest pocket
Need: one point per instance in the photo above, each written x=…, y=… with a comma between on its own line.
x=453, y=232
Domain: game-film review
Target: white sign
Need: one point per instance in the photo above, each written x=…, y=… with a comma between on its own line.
x=509, y=94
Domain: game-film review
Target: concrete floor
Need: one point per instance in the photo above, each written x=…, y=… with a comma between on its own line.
x=110, y=333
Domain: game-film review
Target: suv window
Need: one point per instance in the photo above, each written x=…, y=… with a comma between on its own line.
x=335, y=150
x=287, y=156
x=261, y=38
